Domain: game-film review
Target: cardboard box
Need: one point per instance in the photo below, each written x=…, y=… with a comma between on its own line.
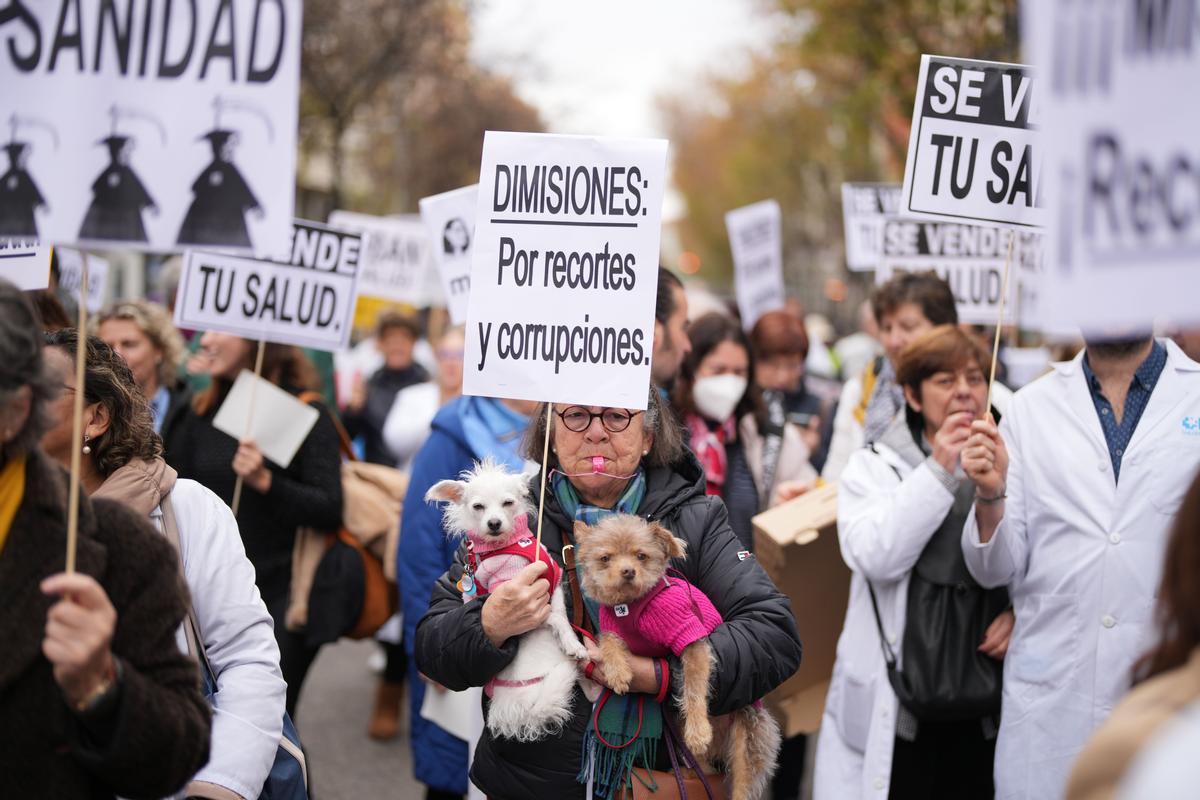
x=796, y=543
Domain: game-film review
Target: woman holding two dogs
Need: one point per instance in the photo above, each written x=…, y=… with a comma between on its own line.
x=604, y=462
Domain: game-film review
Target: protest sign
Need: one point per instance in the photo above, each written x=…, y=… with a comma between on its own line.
x=70, y=273
x=450, y=220
x=158, y=126
x=396, y=258
x=278, y=422
x=307, y=300
x=865, y=208
x=973, y=152
x=970, y=258
x=757, y=245
x=25, y=264
x=564, y=271
x=1123, y=161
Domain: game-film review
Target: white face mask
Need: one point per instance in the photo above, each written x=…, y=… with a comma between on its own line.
x=717, y=395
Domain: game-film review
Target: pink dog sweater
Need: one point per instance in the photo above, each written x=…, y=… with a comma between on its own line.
x=667, y=619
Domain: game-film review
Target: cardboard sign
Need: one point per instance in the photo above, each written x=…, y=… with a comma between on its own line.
x=306, y=301
x=25, y=264
x=450, y=221
x=797, y=544
x=281, y=422
x=968, y=257
x=159, y=126
x=396, y=258
x=564, y=271
x=70, y=273
x=757, y=245
x=865, y=208
x=973, y=152
x=1123, y=162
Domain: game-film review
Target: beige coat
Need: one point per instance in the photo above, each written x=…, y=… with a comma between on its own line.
x=793, y=456
x=1144, y=711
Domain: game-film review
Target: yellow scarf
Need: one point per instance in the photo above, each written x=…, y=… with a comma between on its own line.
x=12, y=490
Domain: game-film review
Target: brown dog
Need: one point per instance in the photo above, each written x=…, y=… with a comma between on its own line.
x=645, y=612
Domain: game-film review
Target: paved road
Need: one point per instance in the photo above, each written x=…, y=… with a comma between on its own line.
x=334, y=709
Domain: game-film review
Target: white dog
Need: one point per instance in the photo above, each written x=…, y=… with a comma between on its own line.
x=531, y=697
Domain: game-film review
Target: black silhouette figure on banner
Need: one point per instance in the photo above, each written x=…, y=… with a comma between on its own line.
x=456, y=239
x=118, y=197
x=217, y=215
x=19, y=195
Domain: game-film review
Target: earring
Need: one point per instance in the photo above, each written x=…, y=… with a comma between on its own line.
x=87, y=448
x=645, y=452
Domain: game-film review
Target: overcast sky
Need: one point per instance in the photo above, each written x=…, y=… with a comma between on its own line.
x=597, y=67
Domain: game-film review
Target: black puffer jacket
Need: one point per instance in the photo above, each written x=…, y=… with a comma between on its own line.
x=757, y=648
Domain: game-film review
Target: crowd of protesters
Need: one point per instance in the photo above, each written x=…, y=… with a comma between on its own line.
x=1024, y=610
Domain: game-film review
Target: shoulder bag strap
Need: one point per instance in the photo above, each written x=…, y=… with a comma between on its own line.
x=191, y=628
x=571, y=575
x=344, y=442
x=889, y=655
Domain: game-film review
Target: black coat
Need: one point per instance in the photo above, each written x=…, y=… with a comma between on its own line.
x=158, y=734
x=757, y=648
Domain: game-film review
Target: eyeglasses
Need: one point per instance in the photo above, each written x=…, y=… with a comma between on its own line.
x=578, y=419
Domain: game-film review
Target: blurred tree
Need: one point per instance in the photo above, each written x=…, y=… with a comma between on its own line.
x=391, y=107
x=829, y=102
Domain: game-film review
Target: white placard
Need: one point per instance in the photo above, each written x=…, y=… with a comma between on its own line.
x=968, y=257
x=306, y=301
x=281, y=422
x=396, y=258
x=757, y=245
x=160, y=126
x=70, y=272
x=973, y=149
x=25, y=264
x=565, y=269
x=1123, y=162
x=450, y=219
x=865, y=208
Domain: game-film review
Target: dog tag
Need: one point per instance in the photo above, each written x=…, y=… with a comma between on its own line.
x=621, y=610
x=466, y=585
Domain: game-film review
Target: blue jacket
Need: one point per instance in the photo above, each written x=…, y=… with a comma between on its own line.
x=424, y=555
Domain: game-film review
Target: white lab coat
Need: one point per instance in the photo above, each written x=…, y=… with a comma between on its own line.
x=883, y=525
x=1082, y=557
x=239, y=639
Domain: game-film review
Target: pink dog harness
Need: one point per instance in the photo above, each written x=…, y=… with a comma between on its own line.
x=506, y=560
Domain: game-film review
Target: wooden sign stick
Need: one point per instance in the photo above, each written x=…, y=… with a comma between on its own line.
x=987, y=407
x=81, y=347
x=545, y=469
x=258, y=364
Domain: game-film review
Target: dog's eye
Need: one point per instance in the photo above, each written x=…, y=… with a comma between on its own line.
x=509, y=503
x=603, y=559
x=641, y=556
x=477, y=506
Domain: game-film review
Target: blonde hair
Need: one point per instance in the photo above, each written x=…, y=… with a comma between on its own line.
x=155, y=322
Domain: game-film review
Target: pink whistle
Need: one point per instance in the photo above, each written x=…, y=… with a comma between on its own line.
x=597, y=463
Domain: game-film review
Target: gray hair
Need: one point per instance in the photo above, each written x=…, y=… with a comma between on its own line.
x=21, y=365
x=666, y=447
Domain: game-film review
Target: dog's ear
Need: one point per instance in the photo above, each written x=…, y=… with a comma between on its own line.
x=447, y=491
x=582, y=530
x=672, y=545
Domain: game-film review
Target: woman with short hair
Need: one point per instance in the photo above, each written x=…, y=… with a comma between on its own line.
x=144, y=335
x=605, y=461
x=902, y=502
x=122, y=461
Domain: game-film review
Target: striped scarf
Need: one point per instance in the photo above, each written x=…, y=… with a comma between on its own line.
x=623, y=731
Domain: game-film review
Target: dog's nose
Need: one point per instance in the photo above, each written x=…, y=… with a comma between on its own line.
x=628, y=573
x=494, y=525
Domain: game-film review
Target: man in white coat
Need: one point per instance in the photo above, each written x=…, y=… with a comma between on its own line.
x=1074, y=498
